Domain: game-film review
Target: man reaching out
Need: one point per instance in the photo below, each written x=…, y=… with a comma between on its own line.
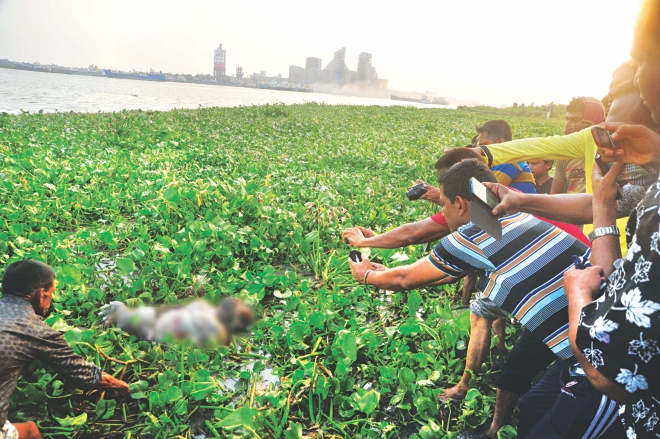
x=27, y=291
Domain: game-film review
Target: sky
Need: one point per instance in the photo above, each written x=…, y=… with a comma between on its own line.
x=493, y=52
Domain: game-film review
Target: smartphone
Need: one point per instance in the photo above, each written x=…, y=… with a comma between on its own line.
x=483, y=193
x=355, y=255
x=603, y=138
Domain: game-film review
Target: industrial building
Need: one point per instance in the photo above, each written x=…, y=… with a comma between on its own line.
x=337, y=72
x=219, y=62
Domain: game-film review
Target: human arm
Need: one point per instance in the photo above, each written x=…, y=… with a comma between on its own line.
x=581, y=287
x=419, y=232
x=636, y=144
x=402, y=278
x=109, y=382
x=54, y=351
x=567, y=147
x=605, y=249
x=568, y=208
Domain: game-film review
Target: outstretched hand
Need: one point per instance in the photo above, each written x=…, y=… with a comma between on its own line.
x=580, y=282
x=636, y=144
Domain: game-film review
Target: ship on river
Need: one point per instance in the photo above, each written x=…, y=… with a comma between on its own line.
x=151, y=76
x=423, y=100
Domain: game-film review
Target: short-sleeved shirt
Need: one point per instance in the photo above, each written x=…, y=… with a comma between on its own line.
x=25, y=337
x=619, y=333
x=516, y=175
x=522, y=273
x=545, y=187
x=572, y=174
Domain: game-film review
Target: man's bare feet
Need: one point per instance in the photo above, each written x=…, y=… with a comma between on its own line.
x=492, y=432
x=456, y=393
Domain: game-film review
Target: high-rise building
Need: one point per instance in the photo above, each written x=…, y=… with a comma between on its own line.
x=219, y=60
x=313, y=69
x=239, y=72
x=364, y=69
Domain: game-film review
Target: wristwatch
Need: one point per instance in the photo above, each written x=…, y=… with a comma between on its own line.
x=603, y=231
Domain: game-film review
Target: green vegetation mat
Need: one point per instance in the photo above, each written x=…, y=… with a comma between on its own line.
x=132, y=206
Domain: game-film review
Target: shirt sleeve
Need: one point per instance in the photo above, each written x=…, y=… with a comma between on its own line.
x=456, y=253
x=567, y=147
x=55, y=352
x=439, y=218
x=506, y=174
x=560, y=171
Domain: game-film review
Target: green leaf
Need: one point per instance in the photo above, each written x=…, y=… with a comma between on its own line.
x=368, y=402
x=71, y=421
x=410, y=327
x=414, y=302
x=138, y=388
x=70, y=275
x=348, y=344
x=105, y=408
x=295, y=431
x=171, y=395
x=507, y=432
x=16, y=229
x=126, y=266
x=240, y=418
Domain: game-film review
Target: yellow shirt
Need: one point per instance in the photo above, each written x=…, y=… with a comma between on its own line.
x=573, y=146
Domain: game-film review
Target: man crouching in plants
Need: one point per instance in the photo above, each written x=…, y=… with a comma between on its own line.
x=27, y=291
x=523, y=275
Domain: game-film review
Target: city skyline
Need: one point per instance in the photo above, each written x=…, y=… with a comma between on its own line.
x=486, y=53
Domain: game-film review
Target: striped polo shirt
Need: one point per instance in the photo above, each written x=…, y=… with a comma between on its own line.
x=522, y=273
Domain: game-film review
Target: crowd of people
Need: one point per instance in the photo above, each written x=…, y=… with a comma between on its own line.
x=590, y=316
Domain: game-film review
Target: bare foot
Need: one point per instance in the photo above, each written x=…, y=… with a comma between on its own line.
x=457, y=393
x=492, y=432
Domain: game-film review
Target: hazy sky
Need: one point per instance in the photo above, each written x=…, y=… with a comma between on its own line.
x=490, y=51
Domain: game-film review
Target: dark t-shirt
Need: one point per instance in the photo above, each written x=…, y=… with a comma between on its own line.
x=545, y=187
x=25, y=337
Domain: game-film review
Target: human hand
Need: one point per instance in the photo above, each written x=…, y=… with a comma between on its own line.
x=359, y=269
x=112, y=312
x=112, y=383
x=375, y=266
x=432, y=193
x=583, y=282
x=509, y=200
x=637, y=144
x=356, y=236
x=605, y=187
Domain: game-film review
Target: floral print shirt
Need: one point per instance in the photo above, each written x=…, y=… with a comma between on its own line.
x=619, y=332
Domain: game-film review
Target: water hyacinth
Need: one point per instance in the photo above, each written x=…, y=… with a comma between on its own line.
x=133, y=206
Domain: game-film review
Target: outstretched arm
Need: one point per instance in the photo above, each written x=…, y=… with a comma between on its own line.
x=403, y=278
x=568, y=208
x=419, y=232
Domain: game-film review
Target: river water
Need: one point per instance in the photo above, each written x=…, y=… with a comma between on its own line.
x=50, y=92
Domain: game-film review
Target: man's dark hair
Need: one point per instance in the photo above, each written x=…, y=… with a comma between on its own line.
x=455, y=181
x=23, y=278
x=497, y=130
x=576, y=105
x=450, y=158
x=550, y=162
